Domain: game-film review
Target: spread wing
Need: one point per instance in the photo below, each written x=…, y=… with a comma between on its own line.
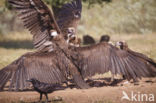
x=37, y=18
x=104, y=57
x=44, y=68
x=69, y=15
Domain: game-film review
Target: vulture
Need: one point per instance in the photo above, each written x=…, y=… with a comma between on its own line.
x=105, y=38
x=55, y=60
x=49, y=41
x=87, y=40
x=68, y=17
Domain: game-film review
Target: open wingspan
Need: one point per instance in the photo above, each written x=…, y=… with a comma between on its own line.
x=33, y=65
x=103, y=57
x=38, y=19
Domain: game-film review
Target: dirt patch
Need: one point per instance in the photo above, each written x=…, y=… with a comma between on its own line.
x=105, y=94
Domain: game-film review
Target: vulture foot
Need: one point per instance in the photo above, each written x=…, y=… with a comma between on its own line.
x=80, y=82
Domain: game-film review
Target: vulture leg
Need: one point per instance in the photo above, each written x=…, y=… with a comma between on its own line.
x=80, y=82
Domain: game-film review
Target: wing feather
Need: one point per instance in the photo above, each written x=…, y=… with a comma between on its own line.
x=66, y=15
x=103, y=57
x=37, y=18
x=43, y=67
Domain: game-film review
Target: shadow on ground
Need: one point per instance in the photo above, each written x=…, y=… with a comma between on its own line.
x=24, y=44
x=103, y=82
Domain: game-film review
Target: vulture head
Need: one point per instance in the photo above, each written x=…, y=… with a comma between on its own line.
x=87, y=39
x=71, y=32
x=122, y=45
x=77, y=14
x=105, y=38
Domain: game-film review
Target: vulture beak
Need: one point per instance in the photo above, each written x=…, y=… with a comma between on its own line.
x=29, y=80
x=118, y=44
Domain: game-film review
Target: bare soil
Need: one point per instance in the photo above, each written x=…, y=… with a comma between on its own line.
x=104, y=94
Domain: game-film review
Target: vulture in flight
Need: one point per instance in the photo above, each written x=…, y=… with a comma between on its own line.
x=55, y=60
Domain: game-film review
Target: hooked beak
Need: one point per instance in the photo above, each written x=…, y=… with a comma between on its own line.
x=117, y=44
x=28, y=80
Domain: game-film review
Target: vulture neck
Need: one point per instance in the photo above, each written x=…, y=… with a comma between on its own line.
x=124, y=47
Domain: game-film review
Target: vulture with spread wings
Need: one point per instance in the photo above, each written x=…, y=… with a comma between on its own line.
x=68, y=17
x=55, y=60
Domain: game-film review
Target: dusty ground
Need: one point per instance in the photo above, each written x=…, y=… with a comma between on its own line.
x=104, y=94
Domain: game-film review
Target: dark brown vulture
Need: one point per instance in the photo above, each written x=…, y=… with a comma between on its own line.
x=55, y=60
x=87, y=40
x=105, y=38
x=68, y=17
x=47, y=37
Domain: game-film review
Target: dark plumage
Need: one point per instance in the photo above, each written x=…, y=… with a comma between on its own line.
x=142, y=57
x=105, y=38
x=68, y=16
x=148, y=61
x=50, y=67
x=38, y=19
x=57, y=63
x=44, y=88
x=53, y=67
x=87, y=39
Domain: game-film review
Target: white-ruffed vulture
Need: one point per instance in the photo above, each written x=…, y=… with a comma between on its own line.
x=87, y=40
x=60, y=60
